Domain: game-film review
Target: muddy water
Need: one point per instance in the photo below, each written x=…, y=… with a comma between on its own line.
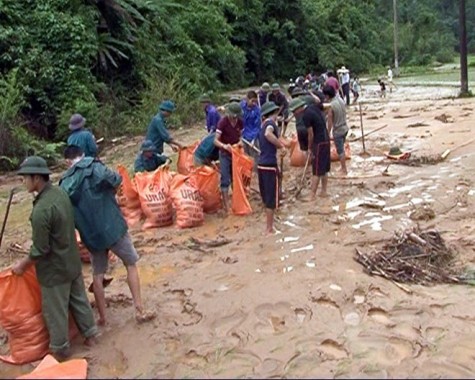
x=296, y=304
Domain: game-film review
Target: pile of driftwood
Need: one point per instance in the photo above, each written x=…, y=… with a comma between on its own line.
x=412, y=256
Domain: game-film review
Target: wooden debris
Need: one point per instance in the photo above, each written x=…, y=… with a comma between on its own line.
x=201, y=245
x=412, y=256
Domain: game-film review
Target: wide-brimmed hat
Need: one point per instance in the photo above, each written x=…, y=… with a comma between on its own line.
x=395, y=151
x=297, y=92
x=234, y=109
x=343, y=69
x=265, y=86
x=275, y=86
x=77, y=121
x=234, y=99
x=34, y=165
x=296, y=104
x=167, y=105
x=147, y=146
x=205, y=98
x=268, y=108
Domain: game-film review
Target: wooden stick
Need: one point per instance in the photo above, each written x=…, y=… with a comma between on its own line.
x=374, y=130
x=362, y=131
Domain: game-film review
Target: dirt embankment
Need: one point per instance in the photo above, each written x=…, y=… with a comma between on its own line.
x=297, y=304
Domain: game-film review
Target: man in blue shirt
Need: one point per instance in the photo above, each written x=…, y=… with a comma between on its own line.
x=212, y=115
x=252, y=124
x=81, y=136
x=157, y=130
x=148, y=160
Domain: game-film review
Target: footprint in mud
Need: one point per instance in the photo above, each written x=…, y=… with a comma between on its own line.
x=269, y=368
x=327, y=308
x=332, y=350
x=275, y=318
x=226, y=325
x=179, y=309
x=380, y=316
x=433, y=333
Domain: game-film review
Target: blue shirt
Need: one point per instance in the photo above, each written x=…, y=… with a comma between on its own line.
x=263, y=97
x=148, y=164
x=268, y=154
x=252, y=121
x=207, y=150
x=212, y=118
x=157, y=132
x=85, y=140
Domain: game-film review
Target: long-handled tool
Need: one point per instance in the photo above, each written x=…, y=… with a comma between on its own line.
x=250, y=145
x=7, y=211
x=302, y=180
x=365, y=153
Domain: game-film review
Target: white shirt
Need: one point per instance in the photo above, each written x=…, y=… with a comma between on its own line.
x=390, y=74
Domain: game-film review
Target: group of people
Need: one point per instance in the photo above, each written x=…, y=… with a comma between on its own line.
x=85, y=201
x=85, y=198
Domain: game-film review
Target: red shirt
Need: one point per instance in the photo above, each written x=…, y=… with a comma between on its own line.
x=229, y=134
x=332, y=81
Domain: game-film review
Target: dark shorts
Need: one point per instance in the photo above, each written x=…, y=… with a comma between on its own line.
x=269, y=185
x=321, y=158
x=302, y=136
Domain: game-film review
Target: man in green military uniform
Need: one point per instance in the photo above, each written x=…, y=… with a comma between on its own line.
x=148, y=160
x=157, y=130
x=56, y=257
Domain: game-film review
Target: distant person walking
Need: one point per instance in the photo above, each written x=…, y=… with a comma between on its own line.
x=157, y=131
x=355, y=89
x=382, y=88
x=82, y=137
x=55, y=254
x=390, y=79
x=345, y=83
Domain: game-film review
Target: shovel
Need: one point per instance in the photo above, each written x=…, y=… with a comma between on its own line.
x=7, y=211
x=299, y=190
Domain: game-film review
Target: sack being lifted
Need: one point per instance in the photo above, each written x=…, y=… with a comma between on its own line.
x=242, y=174
x=187, y=201
x=154, y=193
x=206, y=180
x=298, y=158
x=185, y=158
x=128, y=198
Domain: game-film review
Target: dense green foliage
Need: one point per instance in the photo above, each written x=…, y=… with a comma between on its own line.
x=115, y=60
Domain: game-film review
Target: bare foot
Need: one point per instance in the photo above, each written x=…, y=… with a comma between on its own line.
x=145, y=316
x=323, y=195
x=343, y=173
x=101, y=322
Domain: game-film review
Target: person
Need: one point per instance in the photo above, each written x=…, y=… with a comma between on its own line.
x=251, y=115
x=228, y=133
x=212, y=115
x=312, y=98
x=390, y=79
x=337, y=125
x=206, y=152
x=332, y=81
x=345, y=84
x=355, y=89
x=382, y=87
x=81, y=136
x=55, y=254
x=263, y=94
x=291, y=87
x=157, y=130
x=232, y=99
x=268, y=171
x=147, y=159
x=91, y=186
x=319, y=141
x=279, y=98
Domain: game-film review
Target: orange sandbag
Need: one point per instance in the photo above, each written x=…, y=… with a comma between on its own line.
x=297, y=156
x=50, y=368
x=334, y=154
x=206, y=180
x=128, y=198
x=154, y=193
x=187, y=201
x=185, y=158
x=21, y=318
x=242, y=174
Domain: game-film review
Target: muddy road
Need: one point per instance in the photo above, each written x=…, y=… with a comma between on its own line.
x=296, y=304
